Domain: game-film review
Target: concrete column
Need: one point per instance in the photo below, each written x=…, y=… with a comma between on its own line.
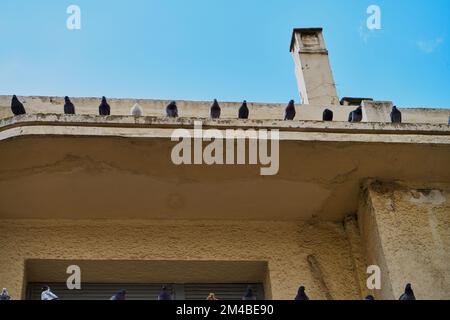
x=357, y=254
x=406, y=233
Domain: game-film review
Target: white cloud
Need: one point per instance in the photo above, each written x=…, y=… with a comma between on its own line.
x=429, y=46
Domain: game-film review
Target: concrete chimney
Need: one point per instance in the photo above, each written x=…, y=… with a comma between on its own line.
x=312, y=67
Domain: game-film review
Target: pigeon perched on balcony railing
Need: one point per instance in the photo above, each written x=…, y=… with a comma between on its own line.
x=290, y=113
x=249, y=294
x=396, y=115
x=172, y=110
x=356, y=115
x=5, y=295
x=369, y=297
x=69, y=108
x=104, y=109
x=121, y=295
x=408, y=294
x=327, y=115
x=301, y=294
x=243, y=111
x=17, y=107
x=137, y=111
x=164, y=294
x=47, y=294
x=215, y=110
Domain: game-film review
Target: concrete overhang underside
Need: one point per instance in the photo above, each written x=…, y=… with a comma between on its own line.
x=89, y=167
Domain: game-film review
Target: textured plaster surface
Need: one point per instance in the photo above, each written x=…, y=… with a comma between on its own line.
x=406, y=230
x=283, y=247
x=200, y=109
x=124, y=160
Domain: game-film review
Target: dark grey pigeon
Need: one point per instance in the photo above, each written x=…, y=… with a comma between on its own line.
x=369, y=297
x=172, y=110
x=243, y=111
x=290, y=113
x=396, y=115
x=301, y=294
x=104, y=108
x=356, y=115
x=4, y=295
x=448, y=120
x=327, y=115
x=17, y=107
x=164, y=294
x=215, y=110
x=249, y=294
x=121, y=295
x=69, y=108
x=409, y=293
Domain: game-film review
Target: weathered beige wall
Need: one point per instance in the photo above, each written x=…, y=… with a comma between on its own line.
x=124, y=159
x=284, y=246
x=200, y=109
x=406, y=231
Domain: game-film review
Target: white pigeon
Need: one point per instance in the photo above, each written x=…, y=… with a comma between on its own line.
x=47, y=294
x=5, y=295
x=137, y=111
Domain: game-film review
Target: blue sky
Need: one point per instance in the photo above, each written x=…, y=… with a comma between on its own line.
x=225, y=49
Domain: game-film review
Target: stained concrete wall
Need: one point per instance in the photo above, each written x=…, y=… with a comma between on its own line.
x=200, y=109
x=314, y=254
x=406, y=231
x=125, y=160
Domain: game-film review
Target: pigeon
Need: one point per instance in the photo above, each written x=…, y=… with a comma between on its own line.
x=369, y=297
x=164, y=294
x=69, y=108
x=249, y=294
x=47, y=294
x=104, y=108
x=327, y=115
x=5, y=295
x=137, y=111
x=301, y=295
x=409, y=293
x=356, y=115
x=243, y=111
x=17, y=107
x=215, y=110
x=172, y=110
x=448, y=120
x=121, y=295
x=396, y=115
x=212, y=297
x=290, y=113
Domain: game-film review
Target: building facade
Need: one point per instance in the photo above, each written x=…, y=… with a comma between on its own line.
x=103, y=193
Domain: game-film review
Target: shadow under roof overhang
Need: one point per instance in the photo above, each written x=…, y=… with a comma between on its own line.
x=90, y=167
